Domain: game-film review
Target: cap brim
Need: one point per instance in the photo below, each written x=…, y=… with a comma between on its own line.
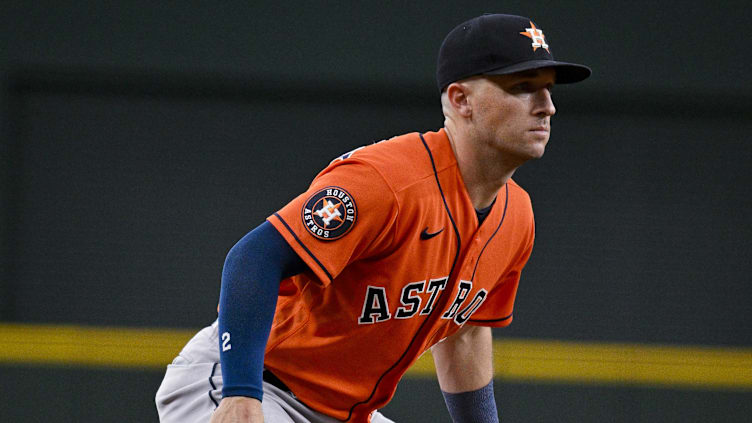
x=566, y=73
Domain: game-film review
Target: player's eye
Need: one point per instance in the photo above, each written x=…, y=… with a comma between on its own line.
x=522, y=87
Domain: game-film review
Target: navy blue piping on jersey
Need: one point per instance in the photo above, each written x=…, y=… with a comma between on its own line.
x=289, y=229
x=438, y=299
x=214, y=387
x=491, y=320
x=506, y=203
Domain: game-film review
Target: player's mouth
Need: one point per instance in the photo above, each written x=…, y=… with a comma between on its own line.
x=540, y=130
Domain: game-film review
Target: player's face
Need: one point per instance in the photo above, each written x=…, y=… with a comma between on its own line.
x=512, y=113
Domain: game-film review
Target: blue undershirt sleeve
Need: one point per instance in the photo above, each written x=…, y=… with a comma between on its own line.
x=477, y=406
x=251, y=277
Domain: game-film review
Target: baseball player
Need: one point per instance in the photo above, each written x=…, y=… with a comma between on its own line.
x=409, y=244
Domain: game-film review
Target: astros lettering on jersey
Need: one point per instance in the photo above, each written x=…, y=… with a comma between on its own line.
x=397, y=263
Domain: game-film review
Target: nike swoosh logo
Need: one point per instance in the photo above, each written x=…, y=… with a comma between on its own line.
x=426, y=235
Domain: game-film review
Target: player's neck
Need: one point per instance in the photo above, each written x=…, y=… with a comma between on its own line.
x=483, y=183
x=483, y=172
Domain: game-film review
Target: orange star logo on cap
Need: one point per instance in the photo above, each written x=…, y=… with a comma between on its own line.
x=535, y=34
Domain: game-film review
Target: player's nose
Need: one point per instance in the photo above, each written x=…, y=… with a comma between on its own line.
x=544, y=104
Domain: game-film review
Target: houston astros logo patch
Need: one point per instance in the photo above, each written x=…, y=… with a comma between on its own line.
x=330, y=213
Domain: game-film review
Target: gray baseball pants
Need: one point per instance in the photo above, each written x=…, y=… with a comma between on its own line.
x=192, y=389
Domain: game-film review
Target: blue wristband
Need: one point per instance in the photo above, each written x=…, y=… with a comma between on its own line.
x=247, y=301
x=477, y=406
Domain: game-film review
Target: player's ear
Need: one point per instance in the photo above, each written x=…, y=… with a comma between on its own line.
x=457, y=97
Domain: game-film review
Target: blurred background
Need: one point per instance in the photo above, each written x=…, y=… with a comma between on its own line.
x=141, y=140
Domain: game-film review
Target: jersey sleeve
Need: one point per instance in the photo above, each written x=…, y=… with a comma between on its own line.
x=347, y=213
x=497, y=310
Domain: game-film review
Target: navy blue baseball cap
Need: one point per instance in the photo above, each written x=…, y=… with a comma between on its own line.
x=495, y=44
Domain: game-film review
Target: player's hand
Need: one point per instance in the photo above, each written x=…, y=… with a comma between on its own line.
x=238, y=410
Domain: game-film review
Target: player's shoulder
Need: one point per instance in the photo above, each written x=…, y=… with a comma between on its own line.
x=518, y=196
x=394, y=159
x=517, y=190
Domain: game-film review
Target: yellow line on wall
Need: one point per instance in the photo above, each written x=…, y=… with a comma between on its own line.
x=532, y=361
x=90, y=346
x=539, y=361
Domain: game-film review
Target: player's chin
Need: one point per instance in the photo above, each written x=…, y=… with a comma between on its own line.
x=537, y=154
x=537, y=147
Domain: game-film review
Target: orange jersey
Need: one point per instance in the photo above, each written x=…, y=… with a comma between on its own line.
x=397, y=263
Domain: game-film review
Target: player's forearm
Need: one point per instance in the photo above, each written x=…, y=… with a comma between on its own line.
x=248, y=297
x=465, y=372
x=464, y=360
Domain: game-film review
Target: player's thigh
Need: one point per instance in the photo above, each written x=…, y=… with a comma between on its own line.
x=191, y=388
x=188, y=393
x=379, y=418
x=274, y=411
x=283, y=406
